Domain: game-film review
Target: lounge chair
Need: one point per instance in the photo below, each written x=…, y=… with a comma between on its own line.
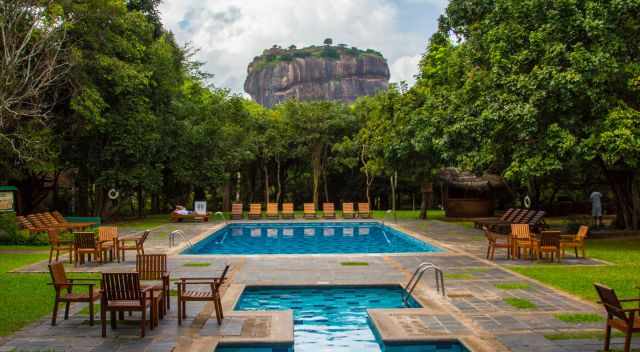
x=363, y=211
x=71, y=225
x=328, y=211
x=287, y=211
x=236, y=211
x=492, y=221
x=272, y=210
x=309, y=211
x=24, y=223
x=625, y=320
x=575, y=241
x=193, y=216
x=64, y=291
x=496, y=241
x=255, y=211
x=347, y=211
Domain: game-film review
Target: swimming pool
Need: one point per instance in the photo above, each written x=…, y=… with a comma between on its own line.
x=308, y=238
x=332, y=318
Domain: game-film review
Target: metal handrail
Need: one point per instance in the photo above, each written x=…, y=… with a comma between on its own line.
x=172, y=238
x=417, y=275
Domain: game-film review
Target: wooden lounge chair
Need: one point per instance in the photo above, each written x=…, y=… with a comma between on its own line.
x=492, y=221
x=496, y=241
x=133, y=243
x=363, y=211
x=287, y=211
x=24, y=223
x=64, y=291
x=213, y=295
x=576, y=242
x=236, y=211
x=625, y=320
x=153, y=267
x=549, y=244
x=57, y=245
x=108, y=238
x=521, y=238
x=121, y=292
x=193, y=216
x=328, y=211
x=71, y=225
x=255, y=211
x=347, y=211
x=86, y=243
x=505, y=227
x=309, y=211
x=272, y=210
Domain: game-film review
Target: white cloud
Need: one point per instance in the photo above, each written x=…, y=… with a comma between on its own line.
x=229, y=33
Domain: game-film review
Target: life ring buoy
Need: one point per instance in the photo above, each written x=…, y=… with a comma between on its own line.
x=527, y=202
x=113, y=194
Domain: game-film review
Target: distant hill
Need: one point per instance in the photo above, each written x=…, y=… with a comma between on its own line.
x=315, y=73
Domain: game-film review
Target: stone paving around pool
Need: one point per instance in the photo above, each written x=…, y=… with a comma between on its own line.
x=476, y=309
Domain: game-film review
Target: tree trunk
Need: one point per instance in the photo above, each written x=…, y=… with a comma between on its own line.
x=316, y=163
x=226, y=195
x=266, y=183
x=140, y=202
x=624, y=184
x=427, y=191
x=394, y=184
x=82, y=182
x=326, y=185
x=279, y=193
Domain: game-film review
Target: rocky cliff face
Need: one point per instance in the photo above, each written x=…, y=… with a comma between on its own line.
x=313, y=78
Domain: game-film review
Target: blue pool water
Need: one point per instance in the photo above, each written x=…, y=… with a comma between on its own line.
x=309, y=238
x=332, y=318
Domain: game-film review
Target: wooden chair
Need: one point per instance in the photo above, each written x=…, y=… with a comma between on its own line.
x=488, y=222
x=121, y=292
x=86, y=243
x=236, y=211
x=328, y=211
x=363, y=211
x=576, y=242
x=287, y=211
x=347, y=211
x=549, y=244
x=58, y=245
x=153, y=267
x=625, y=320
x=64, y=291
x=108, y=238
x=537, y=221
x=255, y=211
x=521, y=238
x=309, y=211
x=213, y=295
x=496, y=241
x=272, y=211
x=135, y=243
x=24, y=223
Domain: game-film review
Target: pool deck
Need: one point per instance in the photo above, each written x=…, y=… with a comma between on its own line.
x=474, y=309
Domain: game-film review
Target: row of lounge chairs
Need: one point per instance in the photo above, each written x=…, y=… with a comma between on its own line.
x=309, y=211
x=43, y=222
x=533, y=218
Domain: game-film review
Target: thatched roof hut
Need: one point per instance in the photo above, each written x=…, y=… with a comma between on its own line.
x=467, y=195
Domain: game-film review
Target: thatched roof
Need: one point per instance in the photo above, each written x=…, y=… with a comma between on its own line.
x=466, y=180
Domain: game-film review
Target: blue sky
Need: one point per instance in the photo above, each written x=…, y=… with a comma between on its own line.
x=229, y=33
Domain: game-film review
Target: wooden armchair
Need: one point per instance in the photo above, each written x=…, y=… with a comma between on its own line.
x=135, y=243
x=86, y=243
x=521, y=238
x=549, y=245
x=363, y=211
x=287, y=211
x=309, y=211
x=328, y=211
x=347, y=211
x=576, y=241
x=496, y=241
x=213, y=295
x=625, y=320
x=64, y=291
x=121, y=292
x=153, y=267
x=236, y=211
x=108, y=238
x=57, y=245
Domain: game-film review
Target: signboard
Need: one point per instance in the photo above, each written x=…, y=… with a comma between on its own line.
x=7, y=202
x=200, y=207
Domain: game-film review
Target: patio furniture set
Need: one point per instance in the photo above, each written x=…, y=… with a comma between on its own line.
x=309, y=211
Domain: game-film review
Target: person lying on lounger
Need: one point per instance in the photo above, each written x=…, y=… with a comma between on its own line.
x=180, y=210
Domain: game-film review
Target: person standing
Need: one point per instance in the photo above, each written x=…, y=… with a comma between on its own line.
x=596, y=208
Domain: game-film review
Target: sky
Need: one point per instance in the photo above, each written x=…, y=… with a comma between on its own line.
x=230, y=33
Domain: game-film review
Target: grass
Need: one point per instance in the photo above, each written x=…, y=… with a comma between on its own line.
x=578, y=318
x=520, y=303
x=148, y=222
x=513, y=286
x=196, y=264
x=354, y=263
x=578, y=280
x=580, y=335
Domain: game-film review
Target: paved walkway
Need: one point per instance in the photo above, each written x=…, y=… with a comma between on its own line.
x=475, y=306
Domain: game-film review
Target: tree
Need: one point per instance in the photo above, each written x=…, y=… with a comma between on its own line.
x=328, y=42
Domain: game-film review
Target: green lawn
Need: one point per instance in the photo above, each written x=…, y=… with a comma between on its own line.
x=623, y=275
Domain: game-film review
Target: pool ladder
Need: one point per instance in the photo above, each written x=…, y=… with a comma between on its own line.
x=180, y=233
x=417, y=275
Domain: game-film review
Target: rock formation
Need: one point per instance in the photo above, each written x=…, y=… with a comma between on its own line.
x=315, y=73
